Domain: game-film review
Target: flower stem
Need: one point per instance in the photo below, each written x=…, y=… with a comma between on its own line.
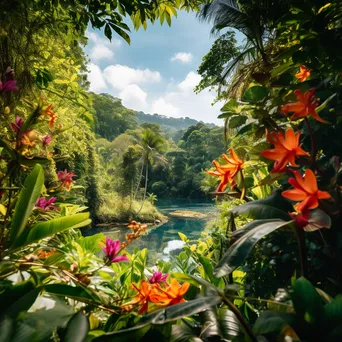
x=243, y=192
x=241, y=319
x=313, y=147
x=302, y=251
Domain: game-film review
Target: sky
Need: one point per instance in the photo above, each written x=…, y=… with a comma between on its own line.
x=158, y=71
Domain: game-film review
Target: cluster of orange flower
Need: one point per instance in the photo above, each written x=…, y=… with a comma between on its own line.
x=138, y=229
x=45, y=254
x=286, y=150
x=157, y=294
x=227, y=172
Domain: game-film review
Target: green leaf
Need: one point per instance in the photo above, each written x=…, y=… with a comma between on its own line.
x=237, y=121
x=92, y=243
x=178, y=311
x=325, y=103
x=132, y=335
x=77, y=328
x=241, y=248
x=77, y=293
x=183, y=237
x=121, y=33
x=272, y=207
x=280, y=69
x=306, y=301
x=108, y=32
x=27, y=199
x=42, y=230
x=273, y=322
x=255, y=94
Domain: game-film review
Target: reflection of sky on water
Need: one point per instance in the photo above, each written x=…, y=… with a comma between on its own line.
x=164, y=239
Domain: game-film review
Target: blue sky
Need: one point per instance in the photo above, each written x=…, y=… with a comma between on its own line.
x=157, y=72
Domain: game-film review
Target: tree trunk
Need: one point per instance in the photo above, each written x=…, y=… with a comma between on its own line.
x=145, y=190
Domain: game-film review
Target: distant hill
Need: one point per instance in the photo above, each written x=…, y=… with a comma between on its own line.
x=167, y=124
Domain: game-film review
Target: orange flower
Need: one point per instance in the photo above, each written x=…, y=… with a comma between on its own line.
x=305, y=190
x=52, y=116
x=285, y=151
x=303, y=74
x=142, y=298
x=171, y=295
x=305, y=106
x=228, y=171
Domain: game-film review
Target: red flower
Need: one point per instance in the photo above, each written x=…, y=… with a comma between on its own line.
x=305, y=190
x=228, y=171
x=52, y=116
x=305, y=106
x=303, y=73
x=66, y=178
x=286, y=149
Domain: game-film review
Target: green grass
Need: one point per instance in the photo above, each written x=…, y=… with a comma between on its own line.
x=115, y=208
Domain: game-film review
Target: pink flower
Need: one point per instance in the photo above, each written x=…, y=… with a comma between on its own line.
x=46, y=140
x=158, y=277
x=44, y=204
x=112, y=248
x=17, y=125
x=66, y=178
x=9, y=85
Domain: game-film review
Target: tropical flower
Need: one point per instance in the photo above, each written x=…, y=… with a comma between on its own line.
x=46, y=140
x=228, y=171
x=44, y=204
x=9, y=84
x=303, y=73
x=66, y=178
x=29, y=138
x=286, y=149
x=312, y=220
x=112, y=248
x=16, y=126
x=305, y=106
x=52, y=116
x=157, y=277
x=142, y=298
x=305, y=190
x=45, y=254
x=171, y=295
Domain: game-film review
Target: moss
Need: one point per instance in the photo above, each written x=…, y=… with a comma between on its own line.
x=115, y=208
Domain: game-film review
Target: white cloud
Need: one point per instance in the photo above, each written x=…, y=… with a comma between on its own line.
x=134, y=97
x=183, y=101
x=183, y=57
x=120, y=76
x=101, y=52
x=102, y=48
x=190, y=82
x=96, y=79
x=161, y=106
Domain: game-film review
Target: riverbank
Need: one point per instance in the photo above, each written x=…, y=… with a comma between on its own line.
x=116, y=210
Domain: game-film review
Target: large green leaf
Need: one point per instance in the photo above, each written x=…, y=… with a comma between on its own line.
x=240, y=249
x=42, y=230
x=77, y=293
x=77, y=328
x=273, y=207
x=333, y=311
x=92, y=243
x=306, y=301
x=237, y=121
x=132, y=335
x=255, y=94
x=273, y=322
x=27, y=199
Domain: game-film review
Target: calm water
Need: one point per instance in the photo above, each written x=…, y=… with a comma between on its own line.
x=164, y=240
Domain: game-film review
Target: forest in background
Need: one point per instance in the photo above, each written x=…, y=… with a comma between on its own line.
x=268, y=270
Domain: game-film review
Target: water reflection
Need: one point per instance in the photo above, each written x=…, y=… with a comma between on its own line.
x=164, y=240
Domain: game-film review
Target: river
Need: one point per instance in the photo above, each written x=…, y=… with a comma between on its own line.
x=164, y=240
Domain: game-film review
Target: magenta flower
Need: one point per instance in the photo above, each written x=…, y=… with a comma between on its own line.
x=66, y=178
x=111, y=249
x=158, y=277
x=17, y=125
x=9, y=85
x=44, y=204
x=46, y=140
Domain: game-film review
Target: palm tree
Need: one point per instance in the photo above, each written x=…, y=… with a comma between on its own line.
x=255, y=19
x=152, y=146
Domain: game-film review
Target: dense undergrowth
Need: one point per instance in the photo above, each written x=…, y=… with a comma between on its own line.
x=270, y=270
